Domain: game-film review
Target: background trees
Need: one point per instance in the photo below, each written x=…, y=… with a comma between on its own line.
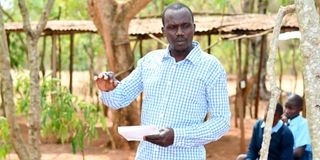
x=112, y=20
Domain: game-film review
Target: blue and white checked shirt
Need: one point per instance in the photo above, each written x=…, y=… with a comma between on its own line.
x=177, y=95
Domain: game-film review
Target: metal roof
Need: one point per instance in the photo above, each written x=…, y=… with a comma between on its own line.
x=229, y=24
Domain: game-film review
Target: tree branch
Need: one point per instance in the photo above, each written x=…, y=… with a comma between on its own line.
x=44, y=18
x=275, y=91
x=134, y=6
x=6, y=13
x=25, y=16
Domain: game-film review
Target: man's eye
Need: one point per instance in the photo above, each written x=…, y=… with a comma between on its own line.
x=186, y=25
x=171, y=27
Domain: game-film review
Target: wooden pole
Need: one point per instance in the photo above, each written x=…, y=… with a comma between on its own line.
x=54, y=56
x=8, y=41
x=42, y=55
x=262, y=54
x=239, y=102
x=59, y=57
x=209, y=43
x=71, y=61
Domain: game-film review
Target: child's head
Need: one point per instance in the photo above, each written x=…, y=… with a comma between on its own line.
x=293, y=106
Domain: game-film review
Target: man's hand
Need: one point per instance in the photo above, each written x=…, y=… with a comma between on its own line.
x=106, y=81
x=164, y=138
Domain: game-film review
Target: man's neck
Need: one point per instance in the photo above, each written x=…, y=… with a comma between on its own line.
x=180, y=55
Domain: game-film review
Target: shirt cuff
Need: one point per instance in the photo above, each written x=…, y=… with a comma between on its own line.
x=179, y=137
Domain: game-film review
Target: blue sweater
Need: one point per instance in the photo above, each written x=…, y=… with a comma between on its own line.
x=281, y=144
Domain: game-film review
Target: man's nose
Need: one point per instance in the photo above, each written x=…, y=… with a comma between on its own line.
x=179, y=31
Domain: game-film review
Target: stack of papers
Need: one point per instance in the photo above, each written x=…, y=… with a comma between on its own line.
x=136, y=133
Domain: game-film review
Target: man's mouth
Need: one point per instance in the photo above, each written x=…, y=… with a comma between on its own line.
x=180, y=41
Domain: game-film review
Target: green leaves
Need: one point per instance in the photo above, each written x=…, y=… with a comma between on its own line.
x=5, y=145
x=67, y=118
x=63, y=116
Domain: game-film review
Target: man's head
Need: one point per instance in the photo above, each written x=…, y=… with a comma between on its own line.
x=277, y=115
x=178, y=28
x=293, y=106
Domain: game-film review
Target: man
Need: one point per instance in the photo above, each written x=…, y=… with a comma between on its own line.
x=298, y=126
x=181, y=84
x=281, y=144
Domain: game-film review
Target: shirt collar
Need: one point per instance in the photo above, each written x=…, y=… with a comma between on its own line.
x=294, y=120
x=193, y=56
x=275, y=128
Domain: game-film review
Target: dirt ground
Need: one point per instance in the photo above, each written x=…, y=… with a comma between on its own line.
x=227, y=148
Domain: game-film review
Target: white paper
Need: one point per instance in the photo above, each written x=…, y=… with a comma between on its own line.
x=136, y=133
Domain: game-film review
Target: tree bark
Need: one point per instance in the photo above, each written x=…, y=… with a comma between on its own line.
x=308, y=19
x=7, y=95
x=275, y=91
x=34, y=115
x=112, y=21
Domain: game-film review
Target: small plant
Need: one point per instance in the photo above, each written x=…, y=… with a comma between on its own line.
x=5, y=145
x=63, y=116
x=67, y=118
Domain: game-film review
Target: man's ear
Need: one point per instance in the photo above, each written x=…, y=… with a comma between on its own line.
x=164, y=34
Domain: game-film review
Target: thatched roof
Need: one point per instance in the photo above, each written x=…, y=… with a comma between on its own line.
x=248, y=24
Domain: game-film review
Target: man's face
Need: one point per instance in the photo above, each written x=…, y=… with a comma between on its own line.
x=291, y=111
x=179, y=30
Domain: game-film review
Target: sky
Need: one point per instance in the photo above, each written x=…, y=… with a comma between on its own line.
x=6, y=4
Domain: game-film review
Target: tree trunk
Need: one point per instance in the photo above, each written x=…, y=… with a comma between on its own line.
x=7, y=95
x=112, y=21
x=275, y=91
x=34, y=115
x=308, y=19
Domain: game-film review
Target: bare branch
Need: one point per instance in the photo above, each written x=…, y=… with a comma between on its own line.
x=134, y=6
x=44, y=18
x=158, y=40
x=6, y=13
x=275, y=91
x=25, y=16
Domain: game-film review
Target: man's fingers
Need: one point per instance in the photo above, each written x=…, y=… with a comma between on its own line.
x=101, y=75
x=152, y=137
x=106, y=81
x=155, y=139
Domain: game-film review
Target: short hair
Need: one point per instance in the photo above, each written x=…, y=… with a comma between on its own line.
x=279, y=109
x=294, y=100
x=176, y=6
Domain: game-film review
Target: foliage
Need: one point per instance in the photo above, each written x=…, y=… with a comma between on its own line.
x=21, y=91
x=69, y=10
x=63, y=116
x=5, y=145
